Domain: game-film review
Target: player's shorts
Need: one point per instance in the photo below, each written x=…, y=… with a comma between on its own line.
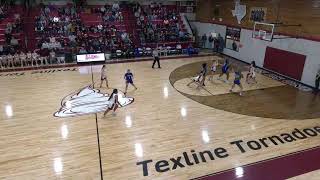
x=129, y=81
x=224, y=70
x=110, y=106
x=197, y=78
x=237, y=82
x=103, y=78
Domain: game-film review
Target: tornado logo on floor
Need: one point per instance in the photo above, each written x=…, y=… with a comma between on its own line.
x=87, y=101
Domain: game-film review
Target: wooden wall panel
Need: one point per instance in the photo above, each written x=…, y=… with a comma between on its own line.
x=304, y=12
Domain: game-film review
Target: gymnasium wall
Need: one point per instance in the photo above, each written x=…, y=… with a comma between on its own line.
x=304, y=12
x=284, y=62
x=254, y=49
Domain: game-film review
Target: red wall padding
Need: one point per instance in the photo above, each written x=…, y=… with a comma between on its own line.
x=284, y=62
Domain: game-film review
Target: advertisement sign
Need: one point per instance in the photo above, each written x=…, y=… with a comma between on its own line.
x=90, y=57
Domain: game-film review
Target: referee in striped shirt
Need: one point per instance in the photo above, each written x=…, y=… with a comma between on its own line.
x=156, y=57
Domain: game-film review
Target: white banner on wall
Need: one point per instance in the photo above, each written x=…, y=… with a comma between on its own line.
x=90, y=57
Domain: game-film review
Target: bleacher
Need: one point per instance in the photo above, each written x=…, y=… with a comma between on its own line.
x=9, y=18
x=111, y=31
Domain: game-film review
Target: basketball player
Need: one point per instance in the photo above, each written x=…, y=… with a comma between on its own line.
x=213, y=69
x=201, y=77
x=113, y=103
x=251, y=76
x=35, y=57
x=129, y=80
x=16, y=57
x=29, y=58
x=5, y=61
x=10, y=60
x=1, y=62
x=237, y=81
x=225, y=70
x=104, y=76
x=23, y=58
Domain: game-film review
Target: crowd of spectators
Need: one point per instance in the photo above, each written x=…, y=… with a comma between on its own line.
x=110, y=13
x=217, y=43
x=68, y=30
x=65, y=28
x=157, y=23
x=11, y=30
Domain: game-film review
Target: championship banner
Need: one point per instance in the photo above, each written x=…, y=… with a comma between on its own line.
x=258, y=14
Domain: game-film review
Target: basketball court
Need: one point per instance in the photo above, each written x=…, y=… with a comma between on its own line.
x=52, y=113
x=151, y=137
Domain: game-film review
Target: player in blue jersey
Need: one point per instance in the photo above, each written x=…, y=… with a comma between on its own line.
x=129, y=80
x=237, y=81
x=225, y=70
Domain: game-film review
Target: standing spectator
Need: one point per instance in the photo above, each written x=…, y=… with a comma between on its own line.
x=215, y=45
x=210, y=40
x=234, y=46
x=155, y=55
x=204, y=40
x=221, y=43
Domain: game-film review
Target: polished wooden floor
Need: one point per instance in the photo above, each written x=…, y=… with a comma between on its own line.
x=161, y=124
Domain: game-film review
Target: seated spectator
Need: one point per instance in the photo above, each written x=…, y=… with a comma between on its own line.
x=14, y=42
x=72, y=39
x=103, y=10
x=115, y=7
x=47, y=10
x=82, y=50
x=52, y=57
x=2, y=13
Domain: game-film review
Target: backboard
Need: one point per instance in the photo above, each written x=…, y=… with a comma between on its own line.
x=263, y=31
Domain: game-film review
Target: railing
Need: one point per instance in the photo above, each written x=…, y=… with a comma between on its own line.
x=187, y=23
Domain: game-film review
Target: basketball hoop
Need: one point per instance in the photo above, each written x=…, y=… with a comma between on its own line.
x=263, y=31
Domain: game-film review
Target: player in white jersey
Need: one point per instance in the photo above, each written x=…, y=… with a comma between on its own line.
x=10, y=60
x=213, y=69
x=34, y=58
x=251, y=76
x=17, y=59
x=201, y=77
x=113, y=102
x=23, y=58
x=104, y=76
x=2, y=64
x=29, y=58
x=5, y=60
